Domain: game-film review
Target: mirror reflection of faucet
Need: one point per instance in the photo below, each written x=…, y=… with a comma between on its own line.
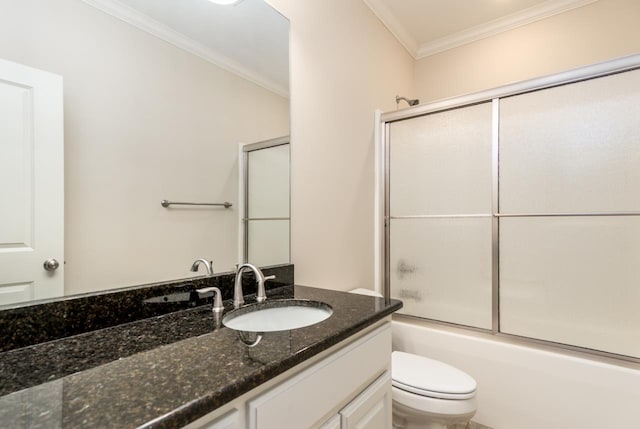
x=207, y=264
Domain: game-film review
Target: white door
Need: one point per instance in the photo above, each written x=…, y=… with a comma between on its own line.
x=31, y=184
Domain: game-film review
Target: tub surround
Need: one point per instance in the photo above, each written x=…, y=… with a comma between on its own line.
x=165, y=371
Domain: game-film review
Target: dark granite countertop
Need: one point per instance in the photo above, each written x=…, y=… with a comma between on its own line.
x=164, y=371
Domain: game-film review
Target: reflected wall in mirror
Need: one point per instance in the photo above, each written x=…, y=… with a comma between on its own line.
x=157, y=96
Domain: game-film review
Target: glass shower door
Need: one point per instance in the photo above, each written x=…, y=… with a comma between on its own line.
x=570, y=235
x=267, y=219
x=440, y=185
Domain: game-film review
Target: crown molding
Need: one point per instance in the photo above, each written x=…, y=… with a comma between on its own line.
x=157, y=29
x=393, y=25
x=491, y=28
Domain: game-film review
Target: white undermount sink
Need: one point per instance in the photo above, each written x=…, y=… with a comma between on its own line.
x=277, y=315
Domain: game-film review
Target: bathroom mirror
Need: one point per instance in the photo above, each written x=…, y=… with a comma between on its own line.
x=158, y=96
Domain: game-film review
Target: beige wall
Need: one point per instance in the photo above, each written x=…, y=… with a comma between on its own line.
x=144, y=121
x=594, y=33
x=344, y=65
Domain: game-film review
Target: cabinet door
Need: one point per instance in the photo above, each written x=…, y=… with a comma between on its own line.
x=307, y=399
x=372, y=408
x=228, y=421
x=333, y=423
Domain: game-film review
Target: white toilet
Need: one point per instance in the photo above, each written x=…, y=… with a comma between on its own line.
x=428, y=394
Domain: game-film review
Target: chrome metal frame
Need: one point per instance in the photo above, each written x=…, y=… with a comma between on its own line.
x=494, y=95
x=386, y=254
x=266, y=144
x=495, y=222
x=602, y=214
x=265, y=218
x=576, y=75
x=611, y=358
x=441, y=216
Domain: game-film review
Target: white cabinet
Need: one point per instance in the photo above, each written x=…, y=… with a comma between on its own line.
x=327, y=386
x=371, y=409
x=333, y=423
x=228, y=421
x=348, y=388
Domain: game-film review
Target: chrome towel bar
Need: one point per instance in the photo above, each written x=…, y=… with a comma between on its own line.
x=499, y=215
x=167, y=203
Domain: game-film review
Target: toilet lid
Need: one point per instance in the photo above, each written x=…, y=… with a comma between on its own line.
x=429, y=377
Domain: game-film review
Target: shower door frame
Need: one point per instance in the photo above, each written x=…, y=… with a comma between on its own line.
x=243, y=193
x=382, y=216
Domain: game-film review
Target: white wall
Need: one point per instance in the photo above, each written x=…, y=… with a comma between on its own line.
x=144, y=121
x=594, y=33
x=527, y=388
x=344, y=65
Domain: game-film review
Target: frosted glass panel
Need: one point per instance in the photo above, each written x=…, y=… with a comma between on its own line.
x=441, y=269
x=269, y=182
x=574, y=148
x=572, y=280
x=441, y=163
x=268, y=242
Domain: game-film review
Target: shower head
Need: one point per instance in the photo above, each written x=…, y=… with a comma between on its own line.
x=410, y=102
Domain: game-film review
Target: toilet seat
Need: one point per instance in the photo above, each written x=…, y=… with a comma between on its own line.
x=430, y=378
x=421, y=407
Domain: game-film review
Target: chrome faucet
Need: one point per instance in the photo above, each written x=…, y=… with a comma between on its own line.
x=207, y=264
x=261, y=296
x=217, y=298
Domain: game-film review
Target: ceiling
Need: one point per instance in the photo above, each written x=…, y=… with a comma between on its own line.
x=426, y=27
x=250, y=38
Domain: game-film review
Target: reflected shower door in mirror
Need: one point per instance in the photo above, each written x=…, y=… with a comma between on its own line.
x=156, y=96
x=265, y=183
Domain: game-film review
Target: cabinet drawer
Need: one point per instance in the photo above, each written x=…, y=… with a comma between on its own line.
x=312, y=395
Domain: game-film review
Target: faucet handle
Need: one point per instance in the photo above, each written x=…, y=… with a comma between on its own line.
x=217, y=300
x=261, y=296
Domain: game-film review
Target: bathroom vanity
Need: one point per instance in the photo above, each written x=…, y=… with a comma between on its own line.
x=184, y=369
x=347, y=386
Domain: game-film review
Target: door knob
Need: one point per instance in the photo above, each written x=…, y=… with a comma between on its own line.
x=51, y=264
